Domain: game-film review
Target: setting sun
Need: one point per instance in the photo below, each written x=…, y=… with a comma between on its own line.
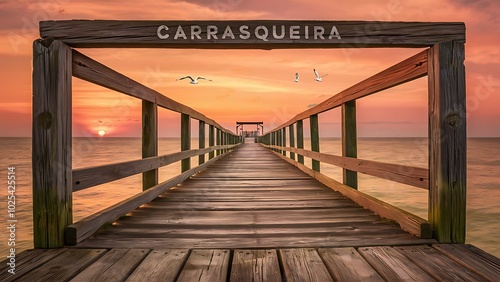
x=101, y=133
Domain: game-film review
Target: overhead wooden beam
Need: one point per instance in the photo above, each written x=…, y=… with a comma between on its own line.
x=405, y=71
x=261, y=34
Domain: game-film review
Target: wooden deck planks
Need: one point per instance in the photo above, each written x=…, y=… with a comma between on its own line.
x=377, y=263
x=250, y=199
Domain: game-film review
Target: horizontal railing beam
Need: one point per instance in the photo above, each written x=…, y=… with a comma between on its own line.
x=92, y=71
x=88, y=177
x=79, y=231
x=413, y=176
x=405, y=71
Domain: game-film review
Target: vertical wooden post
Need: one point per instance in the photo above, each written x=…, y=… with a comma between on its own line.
x=51, y=151
x=447, y=142
x=291, y=135
x=211, y=141
x=283, y=139
x=201, y=142
x=313, y=120
x=218, y=141
x=149, y=141
x=279, y=141
x=349, y=141
x=185, y=140
x=300, y=139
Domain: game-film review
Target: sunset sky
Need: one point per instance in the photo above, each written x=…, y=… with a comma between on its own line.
x=251, y=85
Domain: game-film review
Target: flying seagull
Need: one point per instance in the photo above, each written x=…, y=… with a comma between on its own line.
x=193, y=80
x=296, y=77
x=318, y=78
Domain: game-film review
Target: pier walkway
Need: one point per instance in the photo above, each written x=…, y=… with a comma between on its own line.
x=254, y=217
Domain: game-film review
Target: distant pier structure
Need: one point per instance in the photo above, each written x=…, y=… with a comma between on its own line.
x=249, y=133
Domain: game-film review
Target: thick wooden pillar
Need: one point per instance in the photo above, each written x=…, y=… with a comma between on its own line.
x=278, y=140
x=349, y=141
x=211, y=141
x=447, y=142
x=185, y=140
x=300, y=139
x=291, y=135
x=313, y=120
x=52, y=169
x=218, y=140
x=201, y=141
x=283, y=139
x=149, y=141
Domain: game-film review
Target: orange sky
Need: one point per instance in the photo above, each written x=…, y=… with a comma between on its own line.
x=251, y=85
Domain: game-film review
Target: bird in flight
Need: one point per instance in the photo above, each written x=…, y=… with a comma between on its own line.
x=296, y=77
x=318, y=78
x=193, y=80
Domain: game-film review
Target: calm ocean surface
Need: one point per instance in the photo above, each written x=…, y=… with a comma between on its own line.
x=483, y=180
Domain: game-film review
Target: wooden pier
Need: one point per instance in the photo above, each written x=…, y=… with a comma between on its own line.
x=249, y=211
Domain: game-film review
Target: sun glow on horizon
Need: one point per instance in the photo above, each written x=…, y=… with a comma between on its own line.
x=101, y=133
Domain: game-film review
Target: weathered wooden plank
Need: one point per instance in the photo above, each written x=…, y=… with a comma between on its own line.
x=65, y=266
x=87, y=177
x=261, y=34
x=25, y=262
x=314, y=126
x=201, y=140
x=414, y=176
x=51, y=156
x=303, y=265
x=300, y=139
x=349, y=141
x=346, y=264
x=255, y=265
x=434, y=262
x=405, y=71
x=185, y=140
x=115, y=265
x=206, y=265
x=160, y=265
x=447, y=142
x=393, y=265
x=149, y=141
x=81, y=230
x=92, y=71
x=409, y=222
x=478, y=261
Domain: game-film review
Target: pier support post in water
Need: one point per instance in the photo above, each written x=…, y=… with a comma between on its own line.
x=300, y=139
x=52, y=170
x=314, y=140
x=201, y=143
x=447, y=141
x=149, y=141
x=349, y=141
x=185, y=140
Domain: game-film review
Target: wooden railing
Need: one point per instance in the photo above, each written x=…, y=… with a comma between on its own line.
x=446, y=174
x=54, y=180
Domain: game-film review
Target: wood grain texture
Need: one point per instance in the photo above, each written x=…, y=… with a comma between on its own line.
x=349, y=141
x=160, y=265
x=354, y=34
x=409, y=222
x=414, y=176
x=115, y=265
x=478, y=261
x=393, y=265
x=255, y=265
x=88, y=177
x=447, y=142
x=206, y=265
x=437, y=265
x=149, y=141
x=346, y=264
x=402, y=72
x=51, y=155
x=27, y=261
x=303, y=265
x=84, y=228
